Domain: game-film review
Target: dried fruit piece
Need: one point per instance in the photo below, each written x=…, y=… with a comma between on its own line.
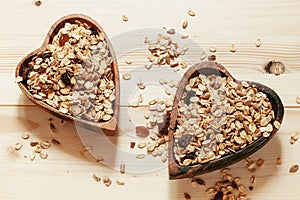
x=132, y=145
x=63, y=39
x=140, y=156
x=141, y=131
x=294, y=168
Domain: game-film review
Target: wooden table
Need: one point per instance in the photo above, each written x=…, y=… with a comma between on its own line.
x=66, y=174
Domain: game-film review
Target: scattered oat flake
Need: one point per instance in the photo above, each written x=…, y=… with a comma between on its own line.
x=43, y=155
x=294, y=168
x=119, y=182
x=124, y=18
x=212, y=49
x=126, y=76
x=191, y=13
x=55, y=141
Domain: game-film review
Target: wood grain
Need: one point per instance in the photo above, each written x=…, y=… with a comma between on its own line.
x=66, y=175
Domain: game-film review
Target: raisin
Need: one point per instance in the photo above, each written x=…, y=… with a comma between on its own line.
x=218, y=196
x=63, y=39
x=66, y=78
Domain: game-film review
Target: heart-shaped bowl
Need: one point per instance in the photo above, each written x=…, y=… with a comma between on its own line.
x=74, y=74
x=202, y=150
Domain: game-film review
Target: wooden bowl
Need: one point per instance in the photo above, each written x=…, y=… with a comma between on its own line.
x=212, y=68
x=108, y=126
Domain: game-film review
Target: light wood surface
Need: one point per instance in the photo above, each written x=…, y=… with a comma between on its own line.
x=65, y=174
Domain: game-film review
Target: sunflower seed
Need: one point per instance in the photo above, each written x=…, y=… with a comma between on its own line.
x=260, y=162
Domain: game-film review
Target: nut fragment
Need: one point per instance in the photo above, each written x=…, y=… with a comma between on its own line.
x=18, y=146
x=45, y=145
x=294, y=168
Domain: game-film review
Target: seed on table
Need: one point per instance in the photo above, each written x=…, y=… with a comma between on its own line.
x=124, y=18
x=294, y=169
x=96, y=178
x=278, y=161
x=210, y=191
x=198, y=181
x=18, y=146
x=19, y=79
x=55, y=141
x=298, y=100
x=25, y=136
x=258, y=42
x=225, y=171
x=149, y=65
x=191, y=13
x=232, y=48
x=45, y=145
x=32, y=155
x=185, y=24
x=37, y=3
x=294, y=137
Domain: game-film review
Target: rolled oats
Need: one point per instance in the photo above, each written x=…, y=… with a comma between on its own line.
x=74, y=74
x=217, y=116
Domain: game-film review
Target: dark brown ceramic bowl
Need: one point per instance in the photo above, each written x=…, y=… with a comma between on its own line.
x=212, y=68
x=21, y=69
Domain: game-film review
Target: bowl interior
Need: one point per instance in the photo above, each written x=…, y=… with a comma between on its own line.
x=212, y=68
x=22, y=70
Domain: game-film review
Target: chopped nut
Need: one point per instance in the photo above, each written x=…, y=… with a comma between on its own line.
x=132, y=145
